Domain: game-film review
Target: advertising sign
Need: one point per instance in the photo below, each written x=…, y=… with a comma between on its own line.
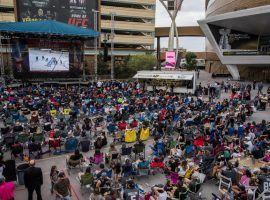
x=170, y=60
x=75, y=12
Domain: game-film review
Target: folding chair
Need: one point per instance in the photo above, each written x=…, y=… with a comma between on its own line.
x=251, y=190
x=264, y=196
x=225, y=184
x=118, y=137
x=126, y=151
x=23, y=138
x=139, y=148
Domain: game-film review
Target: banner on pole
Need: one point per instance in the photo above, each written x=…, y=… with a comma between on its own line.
x=170, y=60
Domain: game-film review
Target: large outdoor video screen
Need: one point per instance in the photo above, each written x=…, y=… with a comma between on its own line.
x=47, y=60
x=75, y=12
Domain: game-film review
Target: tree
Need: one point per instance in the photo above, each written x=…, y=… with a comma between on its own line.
x=103, y=67
x=191, y=62
x=141, y=62
x=121, y=71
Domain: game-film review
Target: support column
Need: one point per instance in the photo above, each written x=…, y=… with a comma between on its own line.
x=234, y=72
x=158, y=53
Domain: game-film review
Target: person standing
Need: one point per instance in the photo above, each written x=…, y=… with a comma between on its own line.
x=254, y=85
x=33, y=179
x=62, y=187
x=53, y=176
x=260, y=87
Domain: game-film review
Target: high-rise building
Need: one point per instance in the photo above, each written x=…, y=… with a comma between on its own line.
x=7, y=11
x=133, y=24
x=238, y=38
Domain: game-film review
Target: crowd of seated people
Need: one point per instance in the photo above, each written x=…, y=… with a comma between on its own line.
x=193, y=138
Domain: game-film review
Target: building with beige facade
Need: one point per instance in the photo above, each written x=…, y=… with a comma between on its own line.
x=7, y=11
x=134, y=24
x=238, y=38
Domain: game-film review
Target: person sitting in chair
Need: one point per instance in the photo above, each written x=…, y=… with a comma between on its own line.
x=76, y=158
x=34, y=118
x=17, y=149
x=127, y=168
x=103, y=183
x=112, y=151
x=35, y=148
x=87, y=177
x=17, y=128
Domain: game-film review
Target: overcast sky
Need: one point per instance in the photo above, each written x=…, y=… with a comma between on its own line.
x=192, y=10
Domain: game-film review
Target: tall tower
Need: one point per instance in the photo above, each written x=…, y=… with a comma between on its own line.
x=173, y=7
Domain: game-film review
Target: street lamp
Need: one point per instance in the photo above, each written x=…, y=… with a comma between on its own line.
x=112, y=45
x=2, y=78
x=96, y=43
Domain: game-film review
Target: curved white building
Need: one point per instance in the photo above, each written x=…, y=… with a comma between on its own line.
x=239, y=34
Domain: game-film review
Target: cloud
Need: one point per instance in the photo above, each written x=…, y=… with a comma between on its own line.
x=192, y=10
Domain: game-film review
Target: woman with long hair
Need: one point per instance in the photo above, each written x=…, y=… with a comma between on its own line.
x=53, y=176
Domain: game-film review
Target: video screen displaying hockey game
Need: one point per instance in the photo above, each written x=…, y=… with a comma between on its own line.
x=48, y=60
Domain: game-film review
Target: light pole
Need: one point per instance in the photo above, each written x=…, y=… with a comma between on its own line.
x=96, y=43
x=112, y=45
x=2, y=79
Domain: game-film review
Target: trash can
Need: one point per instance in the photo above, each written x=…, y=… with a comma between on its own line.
x=20, y=172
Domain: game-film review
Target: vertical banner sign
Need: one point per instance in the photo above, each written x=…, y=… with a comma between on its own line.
x=75, y=12
x=170, y=60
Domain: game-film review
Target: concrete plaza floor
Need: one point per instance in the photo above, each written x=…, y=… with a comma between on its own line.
x=146, y=182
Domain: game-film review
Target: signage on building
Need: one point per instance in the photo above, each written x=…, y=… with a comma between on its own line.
x=170, y=60
x=164, y=76
x=74, y=12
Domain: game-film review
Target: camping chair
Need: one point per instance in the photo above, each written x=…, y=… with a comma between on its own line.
x=71, y=164
x=118, y=137
x=39, y=138
x=115, y=156
x=23, y=119
x=23, y=138
x=15, y=116
x=264, y=196
x=139, y=148
x=9, y=140
x=174, y=177
x=16, y=149
x=182, y=196
x=85, y=145
x=251, y=191
x=97, y=159
x=54, y=143
x=143, y=168
x=86, y=181
x=34, y=149
x=126, y=151
x=9, y=120
x=225, y=184
x=71, y=145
